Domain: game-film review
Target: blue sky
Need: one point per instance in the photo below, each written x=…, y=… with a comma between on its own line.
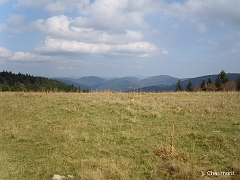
x=116, y=38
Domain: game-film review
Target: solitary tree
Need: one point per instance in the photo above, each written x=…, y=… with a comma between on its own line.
x=189, y=86
x=179, y=86
x=221, y=80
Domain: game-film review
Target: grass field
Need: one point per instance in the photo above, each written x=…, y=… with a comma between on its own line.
x=119, y=135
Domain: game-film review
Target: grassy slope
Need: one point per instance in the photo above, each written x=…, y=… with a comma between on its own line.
x=115, y=135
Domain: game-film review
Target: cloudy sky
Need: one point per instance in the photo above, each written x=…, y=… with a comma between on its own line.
x=181, y=38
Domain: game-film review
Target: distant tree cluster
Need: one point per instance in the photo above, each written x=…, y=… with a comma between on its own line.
x=222, y=83
x=207, y=86
x=179, y=87
x=27, y=83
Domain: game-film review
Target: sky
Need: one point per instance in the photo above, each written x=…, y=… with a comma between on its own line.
x=117, y=38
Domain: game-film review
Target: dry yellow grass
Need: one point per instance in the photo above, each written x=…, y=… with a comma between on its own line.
x=115, y=135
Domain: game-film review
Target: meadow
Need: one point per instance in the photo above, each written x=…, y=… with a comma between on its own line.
x=106, y=135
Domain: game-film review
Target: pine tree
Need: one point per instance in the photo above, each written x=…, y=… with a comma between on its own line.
x=209, y=81
x=204, y=85
x=209, y=84
x=189, y=87
x=221, y=80
x=179, y=86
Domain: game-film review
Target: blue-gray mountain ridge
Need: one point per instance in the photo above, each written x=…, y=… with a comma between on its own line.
x=149, y=84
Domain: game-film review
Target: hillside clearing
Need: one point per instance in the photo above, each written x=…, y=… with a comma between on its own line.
x=116, y=135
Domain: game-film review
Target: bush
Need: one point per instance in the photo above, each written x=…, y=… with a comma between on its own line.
x=229, y=86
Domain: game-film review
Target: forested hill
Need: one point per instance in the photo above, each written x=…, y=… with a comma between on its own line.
x=25, y=82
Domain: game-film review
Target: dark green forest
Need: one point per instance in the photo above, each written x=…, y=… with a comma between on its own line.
x=27, y=83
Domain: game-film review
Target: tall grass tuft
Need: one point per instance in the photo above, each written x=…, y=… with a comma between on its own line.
x=172, y=134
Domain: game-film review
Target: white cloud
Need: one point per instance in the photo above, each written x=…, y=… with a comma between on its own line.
x=107, y=27
x=30, y=57
x=66, y=28
x=66, y=46
x=60, y=45
x=14, y=24
x=20, y=56
x=111, y=26
x=4, y=53
x=23, y=56
x=15, y=20
x=116, y=15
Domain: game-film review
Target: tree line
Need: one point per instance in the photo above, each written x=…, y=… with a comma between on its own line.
x=27, y=83
x=222, y=83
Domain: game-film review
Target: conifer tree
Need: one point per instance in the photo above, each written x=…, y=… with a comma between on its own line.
x=179, y=86
x=189, y=87
x=204, y=85
x=221, y=80
x=209, y=81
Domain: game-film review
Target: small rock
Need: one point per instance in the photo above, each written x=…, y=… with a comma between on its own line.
x=70, y=176
x=58, y=177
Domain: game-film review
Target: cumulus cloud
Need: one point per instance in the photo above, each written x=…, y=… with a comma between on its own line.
x=65, y=28
x=61, y=45
x=30, y=57
x=102, y=27
x=4, y=53
x=116, y=15
x=80, y=35
x=20, y=56
x=110, y=15
x=23, y=56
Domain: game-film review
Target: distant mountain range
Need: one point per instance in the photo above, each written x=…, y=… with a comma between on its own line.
x=149, y=84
